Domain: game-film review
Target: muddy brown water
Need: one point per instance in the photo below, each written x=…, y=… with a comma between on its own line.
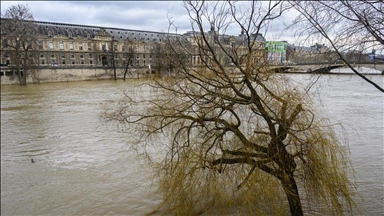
x=82, y=167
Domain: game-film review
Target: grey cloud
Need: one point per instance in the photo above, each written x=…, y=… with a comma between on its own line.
x=140, y=15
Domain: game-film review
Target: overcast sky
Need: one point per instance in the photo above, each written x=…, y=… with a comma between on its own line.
x=137, y=15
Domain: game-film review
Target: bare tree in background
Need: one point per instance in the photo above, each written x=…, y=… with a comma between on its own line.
x=348, y=26
x=242, y=139
x=167, y=58
x=21, y=36
x=113, y=55
x=129, y=56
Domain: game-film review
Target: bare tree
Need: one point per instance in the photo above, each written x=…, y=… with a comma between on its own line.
x=113, y=52
x=239, y=136
x=129, y=56
x=348, y=26
x=167, y=58
x=20, y=34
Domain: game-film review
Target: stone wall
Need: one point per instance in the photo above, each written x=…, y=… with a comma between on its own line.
x=74, y=74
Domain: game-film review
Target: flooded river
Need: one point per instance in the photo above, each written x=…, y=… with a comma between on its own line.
x=83, y=167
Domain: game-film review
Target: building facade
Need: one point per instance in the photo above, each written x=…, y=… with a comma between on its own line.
x=70, y=45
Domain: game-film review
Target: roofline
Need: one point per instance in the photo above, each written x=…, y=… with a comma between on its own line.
x=90, y=26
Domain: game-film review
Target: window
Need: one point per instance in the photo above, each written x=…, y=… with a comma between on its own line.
x=42, y=56
x=61, y=45
x=80, y=46
x=88, y=36
x=71, y=45
x=73, y=56
x=82, y=62
x=63, y=62
x=89, y=46
x=40, y=43
x=50, y=45
x=62, y=56
x=5, y=43
x=103, y=47
x=115, y=47
x=81, y=56
x=90, y=62
x=73, y=62
x=90, y=55
x=49, y=34
x=143, y=56
x=43, y=62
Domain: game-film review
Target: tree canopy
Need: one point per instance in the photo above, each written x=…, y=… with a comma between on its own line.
x=238, y=139
x=348, y=26
x=21, y=36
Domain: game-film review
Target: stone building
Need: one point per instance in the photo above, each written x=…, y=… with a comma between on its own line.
x=70, y=45
x=315, y=54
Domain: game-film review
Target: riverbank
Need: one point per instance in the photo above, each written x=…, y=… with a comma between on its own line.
x=51, y=75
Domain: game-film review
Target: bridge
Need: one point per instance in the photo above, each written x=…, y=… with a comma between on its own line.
x=320, y=68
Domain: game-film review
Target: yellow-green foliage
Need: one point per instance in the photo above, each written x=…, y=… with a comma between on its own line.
x=192, y=185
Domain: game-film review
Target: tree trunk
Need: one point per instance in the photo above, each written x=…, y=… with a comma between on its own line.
x=24, y=76
x=290, y=189
x=114, y=68
x=18, y=67
x=125, y=71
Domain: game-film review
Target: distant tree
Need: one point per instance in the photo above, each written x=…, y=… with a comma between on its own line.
x=129, y=55
x=236, y=138
x=162, y=57
x=21, y=35
x=348, y=26
x=168, y=58
x=113, y=55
